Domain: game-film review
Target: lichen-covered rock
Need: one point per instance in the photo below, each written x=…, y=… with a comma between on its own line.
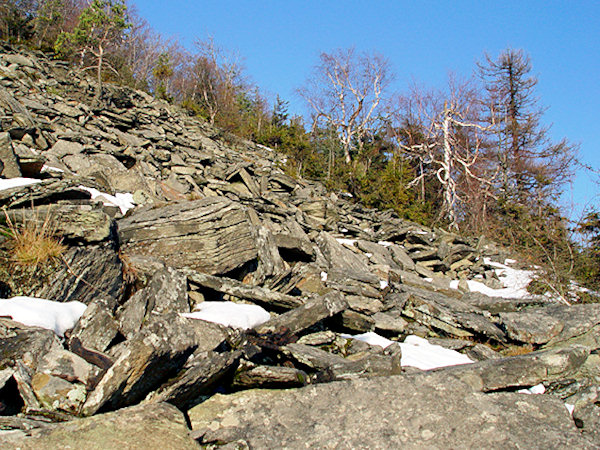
x=136, y=428
x=211, y=235
x=149, y=358
x=422, y=411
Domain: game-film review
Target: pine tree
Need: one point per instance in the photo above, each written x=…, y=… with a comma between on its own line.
x=99, y=30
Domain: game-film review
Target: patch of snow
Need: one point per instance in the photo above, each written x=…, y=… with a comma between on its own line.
x=264, y=147
x=385, y=243
x=428, y=279
x=515, y=282
x=417, y=352
x=323, y=276
x=345, y=241
x=454, y=284
x=343, y=230
x=46, y=168
x=230, y=314
x=123, y=200
x=369, y=255
x=383, y=284
x=347, y=194
x=38, y=312
x=537, y=389
x=17, y=182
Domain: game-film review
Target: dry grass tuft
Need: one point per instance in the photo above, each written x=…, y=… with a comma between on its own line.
x=516, y=350
x=33, y=242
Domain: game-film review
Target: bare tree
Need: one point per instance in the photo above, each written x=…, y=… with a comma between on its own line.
x=450, y=142
x=346, y=92
x=216, y=76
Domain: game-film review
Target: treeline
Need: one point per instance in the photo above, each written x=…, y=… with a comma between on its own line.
x=472, y=156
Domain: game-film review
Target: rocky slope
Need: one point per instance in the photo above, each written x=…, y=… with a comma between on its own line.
x=199, y=218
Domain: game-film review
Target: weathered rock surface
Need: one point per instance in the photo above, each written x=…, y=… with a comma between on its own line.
x=137, y=427
x=152, y=356
x=212, y=235
x=400, y=411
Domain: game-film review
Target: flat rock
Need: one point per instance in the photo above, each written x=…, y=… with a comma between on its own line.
x=422, y=411
x=138, y=427
x=530, y=326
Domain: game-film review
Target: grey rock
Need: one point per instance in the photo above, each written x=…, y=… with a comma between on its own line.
x=279, y=377
x=166, y=292
x=138, y=427
x=10, y=165
x=303, y=418
x=212, y=235
x=76, y=223
x=88, y=272
x=581, y=325
x=235, y=288
x=147, y=360
x=522, y=370
x=335, y=367
x=530, y=326
x=197, y=380
x=97, y=328
x=19, y=342
x=302, y=317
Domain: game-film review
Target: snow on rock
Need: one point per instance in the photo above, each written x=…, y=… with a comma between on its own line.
x=46, y=168
x=17, y=182
x=38, y=312
x=230, y=314
x=537, y=389
x=417, y=352
x=123, y=200
x=514, y=280
x=383, y=284
x=345, y=241
x=323, y=276
x=385, y=243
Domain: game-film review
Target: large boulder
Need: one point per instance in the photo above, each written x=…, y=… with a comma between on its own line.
x=212, y=235
x=419, y=411
x=139, y=427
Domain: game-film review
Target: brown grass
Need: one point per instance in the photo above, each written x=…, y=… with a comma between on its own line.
x=33, y=242
x=515, y=350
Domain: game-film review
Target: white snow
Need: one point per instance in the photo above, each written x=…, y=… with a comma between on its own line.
x=345, y=241
x=385, y=243
x=17, y=182
x=383, y=284
x=369, y=255
x=323, y=276
x=343, y=230
x=570, y=408
x=515, y=282
x=454, y=284
x=537, y=389
x=417, y=352
x=38, y=312
x=237, y=315
x=123, y=200
x=46, y=168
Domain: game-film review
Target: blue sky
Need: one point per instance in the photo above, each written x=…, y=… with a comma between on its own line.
x=424, y=40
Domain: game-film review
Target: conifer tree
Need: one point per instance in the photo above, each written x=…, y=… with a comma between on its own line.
x=99, y=30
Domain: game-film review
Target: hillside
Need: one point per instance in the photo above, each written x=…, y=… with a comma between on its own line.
x=207, y=296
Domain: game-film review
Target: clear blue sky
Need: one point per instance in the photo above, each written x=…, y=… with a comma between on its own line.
x=280, y=41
